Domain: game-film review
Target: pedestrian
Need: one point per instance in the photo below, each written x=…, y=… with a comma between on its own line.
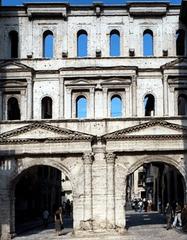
x=58, y=221
x=168, y=215
x=45, y=216
x=184, y=218
x=177, y=215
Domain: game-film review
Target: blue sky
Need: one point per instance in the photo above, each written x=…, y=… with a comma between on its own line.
x=76, y=2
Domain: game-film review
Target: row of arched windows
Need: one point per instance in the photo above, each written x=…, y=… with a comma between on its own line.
x=13, y=112
x=82, y=43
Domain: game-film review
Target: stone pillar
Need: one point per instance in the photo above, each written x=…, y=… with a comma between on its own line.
x=92, y=103
x=5, y=220
x=165, y=96
x=61, y=97
x=134, y=96
x=68, y=103
x=29, y=99
x=88, y=159
x=99, y=187
x=110, y=160
x=1, y=104
x=105, y=102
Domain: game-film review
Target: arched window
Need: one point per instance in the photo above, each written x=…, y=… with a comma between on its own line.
x=46, y=108
x=48, y=44
x=114, y=43
x=82, y=43
x=182, y=104
x=148, y=43
x=149, y=105
x=13, y=36
x=13, y=109
x=116, y=106
x=81, y=107
x=180, y=42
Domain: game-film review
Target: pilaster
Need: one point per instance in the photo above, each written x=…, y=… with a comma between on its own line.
x=134, y=96
x=29, y=98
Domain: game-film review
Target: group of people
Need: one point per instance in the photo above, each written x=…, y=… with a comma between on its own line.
x=176, y=216
x=142, y=205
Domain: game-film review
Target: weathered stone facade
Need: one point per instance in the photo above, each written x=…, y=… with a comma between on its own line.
x=98, y=152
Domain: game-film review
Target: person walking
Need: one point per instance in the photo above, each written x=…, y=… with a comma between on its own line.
x=45, y=218
x=177, y=216
x=168, y=214
x=184, y=218
x=58, y=221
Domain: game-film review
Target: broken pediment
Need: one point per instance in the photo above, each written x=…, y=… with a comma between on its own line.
x=149, y=129
x=13, y=66
x=40, y=132
x=180, y=63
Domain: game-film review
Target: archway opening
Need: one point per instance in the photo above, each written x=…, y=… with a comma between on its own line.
x=149, y=188
x=38, y=189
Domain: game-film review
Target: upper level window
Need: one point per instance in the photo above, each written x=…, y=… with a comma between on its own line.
x=182, y=104
x=13, y=112
x=46, y=108
x=149, y=105
x=148, y=43
x=82, y=43
x=48, y=44
x=180, y=42
x=13, y=36
x=81, y=107
x=116, y=106
x=114, y=43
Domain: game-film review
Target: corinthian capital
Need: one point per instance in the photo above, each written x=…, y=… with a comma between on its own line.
x=110, y=158
x=88, y=158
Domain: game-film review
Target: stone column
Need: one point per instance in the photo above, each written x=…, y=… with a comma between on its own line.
x=110, y=160
x=92, y=103
x=105, y=102
x=68, y=103
x=29, y=99
x=134, y=96
x=1, y=104
x=165, y=95
x=99, y=186
x=61, y=97
x=5, y=220
x=88, y=159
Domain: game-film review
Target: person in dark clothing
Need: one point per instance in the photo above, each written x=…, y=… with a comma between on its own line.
x=168, y=214
x=184, y=218
x=58, y=221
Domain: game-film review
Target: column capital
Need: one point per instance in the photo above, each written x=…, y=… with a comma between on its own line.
x=88, y=158
x=110, y=157
x=92, y=90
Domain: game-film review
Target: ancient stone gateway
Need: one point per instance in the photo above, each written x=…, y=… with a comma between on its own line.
x=96, y=166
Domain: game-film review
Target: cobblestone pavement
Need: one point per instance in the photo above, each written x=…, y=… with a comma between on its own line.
x=141, y=226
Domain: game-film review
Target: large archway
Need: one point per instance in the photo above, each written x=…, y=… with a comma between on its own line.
x=39, y=188
x=153, y=182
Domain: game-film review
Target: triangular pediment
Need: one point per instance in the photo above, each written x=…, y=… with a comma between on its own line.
x=80, y=81
x=42, y=131
x=14, y=66
x=178, y=63
x=119, y=81
x=149, y=129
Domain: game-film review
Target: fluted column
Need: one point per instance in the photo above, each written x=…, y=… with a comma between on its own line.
x=29, y=99
x=61, y=97
x=92, y=103
x=88, y=159
x=165, y=95
x=105, y=102
x=110, y=160
x=1, y=104
x=134, y=96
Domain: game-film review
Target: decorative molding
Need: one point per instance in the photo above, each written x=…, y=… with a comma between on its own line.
x=63, y=135
x=110, y=158
x=88, y=158
x=122, y=134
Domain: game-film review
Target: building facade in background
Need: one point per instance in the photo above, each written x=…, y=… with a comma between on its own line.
x=99, y=93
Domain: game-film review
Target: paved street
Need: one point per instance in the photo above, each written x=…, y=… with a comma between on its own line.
x=141, y=226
